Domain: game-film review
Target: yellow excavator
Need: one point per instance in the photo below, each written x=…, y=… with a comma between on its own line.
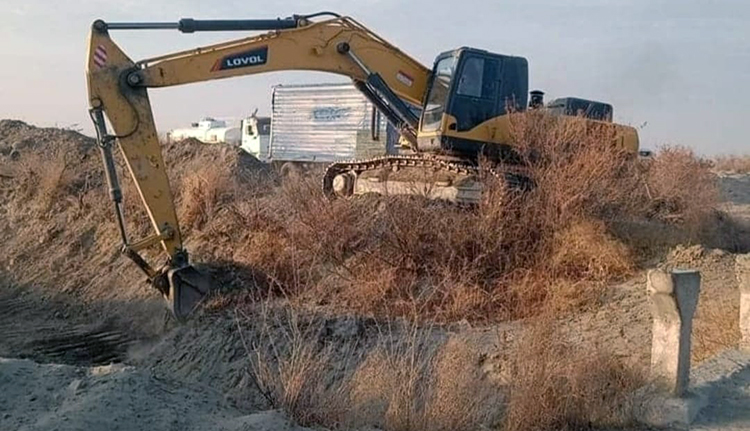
x=462, y=113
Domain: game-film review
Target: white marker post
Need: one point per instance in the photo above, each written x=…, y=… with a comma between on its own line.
x=674, y=298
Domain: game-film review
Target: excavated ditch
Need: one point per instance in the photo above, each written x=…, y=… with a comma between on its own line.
x=39, y=330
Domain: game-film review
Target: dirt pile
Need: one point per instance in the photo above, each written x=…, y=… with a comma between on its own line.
x=57, y=223
x=17, y=137
x=190, y=155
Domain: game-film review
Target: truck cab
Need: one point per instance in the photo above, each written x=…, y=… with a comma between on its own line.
x=256, y=133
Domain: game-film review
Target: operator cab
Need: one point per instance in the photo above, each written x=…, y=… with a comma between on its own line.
x=469, y=87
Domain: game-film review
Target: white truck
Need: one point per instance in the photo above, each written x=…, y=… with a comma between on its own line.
x=318, y=123
x=209, y=131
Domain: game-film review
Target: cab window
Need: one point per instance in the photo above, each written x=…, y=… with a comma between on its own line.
x=470, y=83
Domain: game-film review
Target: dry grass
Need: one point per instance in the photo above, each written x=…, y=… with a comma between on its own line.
x=562, y=387
x=735, y=163
x=413, y=379
x=44, y=179
x=681, y=188
x=202, y=193
x=289, y=368
x=417, y=381
x=406, y=381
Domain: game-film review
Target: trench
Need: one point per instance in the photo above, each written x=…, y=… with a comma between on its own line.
x=43, y=331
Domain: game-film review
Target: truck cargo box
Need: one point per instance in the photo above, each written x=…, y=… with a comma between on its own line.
x=324, y=123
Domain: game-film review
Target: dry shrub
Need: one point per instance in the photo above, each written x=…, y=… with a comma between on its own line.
x=513, y=255
x=409, y=381
x=44, y=179
x=586, y=250
x=202, y=193
x=289, y=367
x=577, y=169
x=251, y=232
x=559, y=386
x=733, y=163
x=716, y=325
x=404, y=255
x=682, y=188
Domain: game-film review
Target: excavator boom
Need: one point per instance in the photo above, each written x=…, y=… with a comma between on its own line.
x=117, y=88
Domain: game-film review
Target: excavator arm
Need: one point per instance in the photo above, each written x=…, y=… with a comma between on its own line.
x=117, y=88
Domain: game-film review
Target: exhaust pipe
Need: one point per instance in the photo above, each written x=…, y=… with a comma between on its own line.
x=537, y=99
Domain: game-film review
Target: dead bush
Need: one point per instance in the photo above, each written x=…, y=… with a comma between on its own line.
x=586, y=251
x=739, y=164
x=511, y=256
x=202, y=194
x=681, y=188
x=44, y=179
x=559, y=386
x=289, y=367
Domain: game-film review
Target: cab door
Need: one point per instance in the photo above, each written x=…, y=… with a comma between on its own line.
x=474, y=100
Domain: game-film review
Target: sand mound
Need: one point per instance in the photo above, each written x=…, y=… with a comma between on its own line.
x=17, y=136
x=190, y=155
x=57, y=223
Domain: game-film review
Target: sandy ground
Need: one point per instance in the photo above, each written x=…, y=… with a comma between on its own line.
x=725, y=380
x=37, y=396
x=63, y=384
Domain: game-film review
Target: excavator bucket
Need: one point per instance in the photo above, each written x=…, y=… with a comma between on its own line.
x=187, y=288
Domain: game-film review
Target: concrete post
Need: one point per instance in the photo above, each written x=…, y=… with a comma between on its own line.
x=674, y=297
x=742, y=269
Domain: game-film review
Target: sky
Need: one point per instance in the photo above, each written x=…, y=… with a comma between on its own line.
x=679, y=70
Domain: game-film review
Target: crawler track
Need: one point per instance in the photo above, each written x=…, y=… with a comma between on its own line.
x=513, y=176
